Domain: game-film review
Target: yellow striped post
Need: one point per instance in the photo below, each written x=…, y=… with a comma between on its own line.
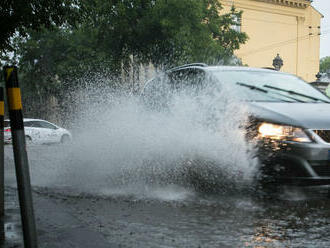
x=14, y=100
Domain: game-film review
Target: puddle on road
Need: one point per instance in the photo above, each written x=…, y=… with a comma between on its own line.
x=203, y=220
x=12, y=220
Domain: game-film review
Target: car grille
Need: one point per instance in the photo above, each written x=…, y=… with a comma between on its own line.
x=324, y=134
x=322, y=168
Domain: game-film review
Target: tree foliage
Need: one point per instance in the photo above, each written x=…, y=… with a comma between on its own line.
x=116, y=35
x=165, y=32
x=21, y=16
x=325, y=64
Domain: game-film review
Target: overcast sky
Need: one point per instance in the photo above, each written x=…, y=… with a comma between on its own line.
x=324, y=7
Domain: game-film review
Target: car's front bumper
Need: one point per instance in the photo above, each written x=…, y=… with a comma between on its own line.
x=300, y=164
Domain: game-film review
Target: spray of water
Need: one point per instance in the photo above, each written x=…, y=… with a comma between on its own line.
x=122, y=146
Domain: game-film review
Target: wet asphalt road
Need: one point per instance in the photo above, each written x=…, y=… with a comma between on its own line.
x=291, y=218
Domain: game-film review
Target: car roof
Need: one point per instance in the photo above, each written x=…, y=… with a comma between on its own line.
x=213, y=68
x=29, y=119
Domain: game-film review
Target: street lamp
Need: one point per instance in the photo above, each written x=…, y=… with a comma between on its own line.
x=277, y=62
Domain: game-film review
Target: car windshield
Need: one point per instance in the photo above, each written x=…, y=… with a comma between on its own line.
x=270, y=87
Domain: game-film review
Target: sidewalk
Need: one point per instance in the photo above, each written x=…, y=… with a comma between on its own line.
x=56, y=226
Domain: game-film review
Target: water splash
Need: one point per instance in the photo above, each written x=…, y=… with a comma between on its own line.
x=123, y=147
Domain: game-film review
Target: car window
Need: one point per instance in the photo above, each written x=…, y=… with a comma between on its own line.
x=28, y=123
x=44, y=124
x=35, y=124
x=155, y=93
x=187, y=79
x=152, y=87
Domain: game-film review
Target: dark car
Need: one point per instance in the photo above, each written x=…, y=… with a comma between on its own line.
x=289, y=120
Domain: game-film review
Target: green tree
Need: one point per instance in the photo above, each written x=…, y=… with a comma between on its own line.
x=165, y=32
x=18, y=17
x=52, y=62
x=325, y=64
x=113, y=36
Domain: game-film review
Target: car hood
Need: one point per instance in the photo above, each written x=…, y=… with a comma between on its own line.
x=307, y=115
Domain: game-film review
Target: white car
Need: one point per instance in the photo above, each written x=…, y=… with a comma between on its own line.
x=39, y=132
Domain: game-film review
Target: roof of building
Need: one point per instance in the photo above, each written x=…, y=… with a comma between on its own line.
x=290, y=3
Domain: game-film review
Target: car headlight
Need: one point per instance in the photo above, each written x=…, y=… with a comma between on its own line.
x=281, y=132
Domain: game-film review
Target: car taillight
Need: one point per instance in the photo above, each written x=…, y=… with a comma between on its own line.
x=7, y=130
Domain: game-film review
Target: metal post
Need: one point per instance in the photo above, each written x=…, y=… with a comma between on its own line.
x=20, y=156
x=2, y=169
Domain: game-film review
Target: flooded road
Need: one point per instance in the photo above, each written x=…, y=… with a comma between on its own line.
x=219, y=222
x=171, y=215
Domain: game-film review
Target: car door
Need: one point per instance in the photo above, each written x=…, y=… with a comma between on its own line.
x=30, y=130
x=48, y=132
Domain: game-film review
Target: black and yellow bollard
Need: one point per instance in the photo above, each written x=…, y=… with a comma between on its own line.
x=20, y=156
x=2, y=169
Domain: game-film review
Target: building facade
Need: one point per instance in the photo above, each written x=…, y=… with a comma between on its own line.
x=290, y=28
